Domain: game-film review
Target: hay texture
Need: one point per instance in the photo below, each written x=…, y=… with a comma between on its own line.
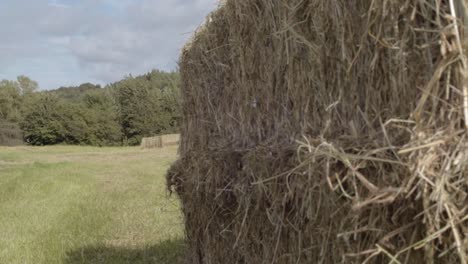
x=325, y=131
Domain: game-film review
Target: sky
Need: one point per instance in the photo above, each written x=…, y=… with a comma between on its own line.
x=69, y=42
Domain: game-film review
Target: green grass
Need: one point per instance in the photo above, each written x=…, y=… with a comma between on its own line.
x=73, y=205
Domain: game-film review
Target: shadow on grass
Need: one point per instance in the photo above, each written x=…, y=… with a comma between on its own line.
x=167, y=252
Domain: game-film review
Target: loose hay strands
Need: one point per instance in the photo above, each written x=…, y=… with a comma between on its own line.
x=326, y=132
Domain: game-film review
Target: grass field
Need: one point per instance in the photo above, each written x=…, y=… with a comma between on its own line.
x=73, y=205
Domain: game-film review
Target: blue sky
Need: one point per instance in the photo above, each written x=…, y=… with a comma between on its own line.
x=69, y=42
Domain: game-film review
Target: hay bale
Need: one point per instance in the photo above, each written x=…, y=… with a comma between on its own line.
x=10, y=134
x=160, y=141
x=325, y=131
x=151, y=142
x=170, y=139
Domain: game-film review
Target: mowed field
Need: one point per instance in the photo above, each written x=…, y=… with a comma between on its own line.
x=71, y=205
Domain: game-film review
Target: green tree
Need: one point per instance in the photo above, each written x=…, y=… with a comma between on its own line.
x=26, y=85
x=148, y=105
x=120, y=113
x=10, y=101
x=42, y=124
x=51, y=119
x=102, y=119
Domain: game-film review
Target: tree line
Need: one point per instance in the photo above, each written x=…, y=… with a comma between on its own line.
x=120, y=113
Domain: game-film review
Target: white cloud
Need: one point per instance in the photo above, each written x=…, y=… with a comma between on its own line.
x=103, y=39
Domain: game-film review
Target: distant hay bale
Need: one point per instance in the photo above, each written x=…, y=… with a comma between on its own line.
x=326, y=131
x=151, y=142
x=170, y=139
x=160, y=141
x=10, y=134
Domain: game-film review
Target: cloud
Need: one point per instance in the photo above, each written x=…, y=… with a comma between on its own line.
x=55, y=3
x=101, y=40
x=146, y=34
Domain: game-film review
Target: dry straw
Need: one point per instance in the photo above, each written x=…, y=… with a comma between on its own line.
x=326, y=131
